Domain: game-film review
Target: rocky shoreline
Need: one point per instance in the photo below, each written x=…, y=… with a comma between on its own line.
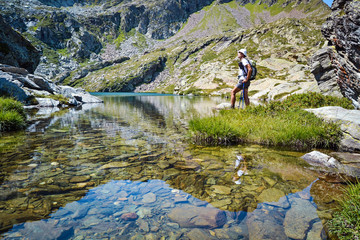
x=35, y=91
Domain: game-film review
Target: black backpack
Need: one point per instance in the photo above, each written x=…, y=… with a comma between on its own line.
x=253, y=67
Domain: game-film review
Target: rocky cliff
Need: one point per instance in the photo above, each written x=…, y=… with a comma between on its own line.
x=336, y=67
x=16, y=50
x=30, y=89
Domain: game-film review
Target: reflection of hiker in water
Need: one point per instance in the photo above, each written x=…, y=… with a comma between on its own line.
x=240, y=169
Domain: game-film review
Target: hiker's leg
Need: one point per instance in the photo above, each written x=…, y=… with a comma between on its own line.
x=246, y=97
x=233, y=96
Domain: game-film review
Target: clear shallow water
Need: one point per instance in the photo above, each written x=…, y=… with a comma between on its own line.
x=124, y=170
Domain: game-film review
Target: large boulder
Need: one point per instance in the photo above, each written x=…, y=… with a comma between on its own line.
x=337, y=66
x=317, y=158
x=11, y=87
x=349, y=121
x=15, y=50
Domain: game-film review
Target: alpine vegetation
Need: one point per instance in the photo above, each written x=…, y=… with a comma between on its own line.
x=275, y=123
x=12, y=115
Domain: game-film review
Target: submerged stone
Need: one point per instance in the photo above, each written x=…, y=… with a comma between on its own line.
x=199, y=234
x=270, y=195
x=149, y=198
x=299, y=218
x=262, y=225
x=115, y=165
x=79, y=179
x=221, y=189
x=316, y=232
x=129, y=216
x=190, y=216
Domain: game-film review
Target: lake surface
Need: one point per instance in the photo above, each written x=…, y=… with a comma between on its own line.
x=125, y=169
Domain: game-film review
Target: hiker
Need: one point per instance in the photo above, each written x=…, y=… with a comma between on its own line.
x=245, y=71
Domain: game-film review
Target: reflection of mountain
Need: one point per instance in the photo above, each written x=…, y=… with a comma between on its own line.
x=138, y=104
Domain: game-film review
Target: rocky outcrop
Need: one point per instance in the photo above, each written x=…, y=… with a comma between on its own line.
x=337, y=67
x=349, y=121
x=36, y=91
x=83, y=72
x=117, y=79
x=15, y=50
x=325, y=72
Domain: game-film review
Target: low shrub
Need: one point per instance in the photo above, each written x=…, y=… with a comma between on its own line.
x=12, y=115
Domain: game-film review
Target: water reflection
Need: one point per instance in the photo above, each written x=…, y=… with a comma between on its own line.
x=240, y=169
x=153, y=210
x=138, y=142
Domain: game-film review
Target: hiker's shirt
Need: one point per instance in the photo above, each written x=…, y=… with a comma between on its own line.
x=243, y=71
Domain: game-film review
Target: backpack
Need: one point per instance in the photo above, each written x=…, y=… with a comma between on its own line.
x=253, y=67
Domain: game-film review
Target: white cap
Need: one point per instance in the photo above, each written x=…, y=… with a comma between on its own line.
x=243, y=51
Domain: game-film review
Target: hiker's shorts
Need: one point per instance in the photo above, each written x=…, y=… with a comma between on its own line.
x=240, y=84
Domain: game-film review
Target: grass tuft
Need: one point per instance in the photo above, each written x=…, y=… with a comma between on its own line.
x=346, y=223
x=276, y=123
x=12, y=115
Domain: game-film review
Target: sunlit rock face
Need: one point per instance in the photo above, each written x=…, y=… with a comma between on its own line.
x=337, y=66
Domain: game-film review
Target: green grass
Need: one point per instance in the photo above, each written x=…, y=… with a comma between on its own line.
x=57, y=97
x=276, y=124
x=346, y=222
x=12, y=115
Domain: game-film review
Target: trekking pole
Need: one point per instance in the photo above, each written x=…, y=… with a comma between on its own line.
x=242, y=100
x=243, y=96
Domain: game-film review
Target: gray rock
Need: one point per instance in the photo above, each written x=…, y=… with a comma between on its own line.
x=325, y=73
x=43, y=83
x=349, y=121
x=223, y=106
x=317, y=158
x=12, y=69
x=10, y=87
x=79, y=94
x=47, y=102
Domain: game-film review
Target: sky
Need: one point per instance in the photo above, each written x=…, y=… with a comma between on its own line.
x=328, y=2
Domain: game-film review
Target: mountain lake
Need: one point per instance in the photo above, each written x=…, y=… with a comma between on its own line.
x=125, y=169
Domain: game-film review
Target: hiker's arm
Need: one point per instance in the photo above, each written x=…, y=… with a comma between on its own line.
x=249, y=71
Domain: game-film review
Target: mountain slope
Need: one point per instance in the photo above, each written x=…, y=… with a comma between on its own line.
x=200, y=57
x=184, y=41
